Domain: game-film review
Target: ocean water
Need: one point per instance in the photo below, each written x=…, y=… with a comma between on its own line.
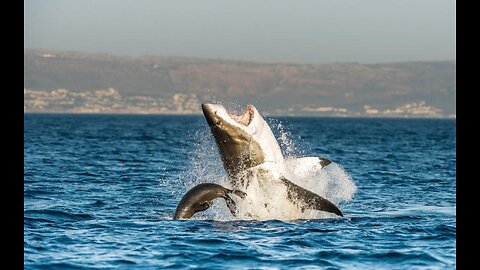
x=100, y=192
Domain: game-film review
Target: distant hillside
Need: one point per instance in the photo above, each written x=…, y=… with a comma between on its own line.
x=154, y=84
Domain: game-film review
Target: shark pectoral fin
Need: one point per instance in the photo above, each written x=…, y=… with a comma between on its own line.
x=309, y=200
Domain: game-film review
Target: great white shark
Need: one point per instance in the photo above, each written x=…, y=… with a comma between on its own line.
x=249, y=151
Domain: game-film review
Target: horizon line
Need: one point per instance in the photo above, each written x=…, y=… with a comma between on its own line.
x=139, y=56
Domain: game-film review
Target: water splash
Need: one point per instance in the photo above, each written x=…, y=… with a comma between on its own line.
x=331, y=182
x=205, y=163
x=284, y=138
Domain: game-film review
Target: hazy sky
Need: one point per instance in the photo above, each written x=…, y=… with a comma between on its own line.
x=300, y=31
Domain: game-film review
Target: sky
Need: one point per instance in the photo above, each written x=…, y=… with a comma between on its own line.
x=301, y=31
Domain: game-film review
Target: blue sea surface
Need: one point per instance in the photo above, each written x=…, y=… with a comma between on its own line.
x=100, y=192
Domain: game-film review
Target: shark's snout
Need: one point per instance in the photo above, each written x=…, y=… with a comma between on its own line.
x=210, y=114
x=206, y=108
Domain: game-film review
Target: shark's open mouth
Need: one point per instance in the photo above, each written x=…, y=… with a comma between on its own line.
x=244, y=119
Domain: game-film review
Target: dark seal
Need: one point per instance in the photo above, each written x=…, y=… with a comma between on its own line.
x=201, y=197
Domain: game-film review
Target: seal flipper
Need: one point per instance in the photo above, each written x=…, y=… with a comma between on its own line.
x=309, y=199
x=232, y=206
x=239, y=193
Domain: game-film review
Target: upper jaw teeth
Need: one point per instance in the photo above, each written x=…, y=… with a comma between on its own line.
x=244, y=119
